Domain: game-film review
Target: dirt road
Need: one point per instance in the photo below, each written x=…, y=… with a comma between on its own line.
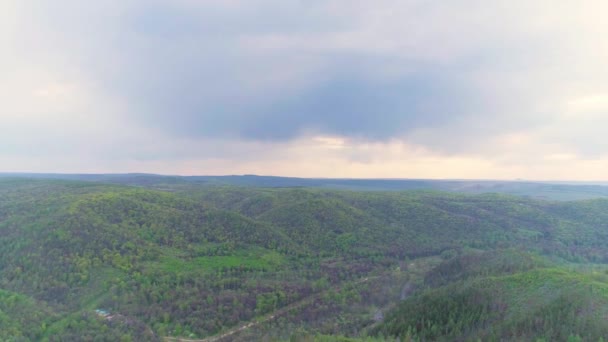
x=264, y=319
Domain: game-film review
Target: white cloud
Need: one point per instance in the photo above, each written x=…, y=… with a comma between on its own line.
x=587, y=107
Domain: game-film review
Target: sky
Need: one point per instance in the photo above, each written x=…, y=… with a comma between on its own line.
x=476, y=89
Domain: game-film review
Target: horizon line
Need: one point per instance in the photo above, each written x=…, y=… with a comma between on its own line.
x=511, y=180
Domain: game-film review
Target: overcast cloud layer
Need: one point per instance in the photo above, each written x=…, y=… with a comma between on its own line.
x=335, y=88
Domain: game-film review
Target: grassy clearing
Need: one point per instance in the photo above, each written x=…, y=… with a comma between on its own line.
x=254, y=259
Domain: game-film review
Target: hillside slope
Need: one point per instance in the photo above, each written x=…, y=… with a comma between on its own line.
x=503, y=299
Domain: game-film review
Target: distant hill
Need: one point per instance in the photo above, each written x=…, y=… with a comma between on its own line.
x=541, y=190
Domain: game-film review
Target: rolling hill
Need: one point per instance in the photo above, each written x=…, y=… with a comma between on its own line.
x=197, y=260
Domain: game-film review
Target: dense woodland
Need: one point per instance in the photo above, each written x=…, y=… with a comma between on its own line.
x=198, y=260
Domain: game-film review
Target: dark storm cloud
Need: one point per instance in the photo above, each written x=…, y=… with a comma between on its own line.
x=344, y=103
x=359, y=107
x=229, y=71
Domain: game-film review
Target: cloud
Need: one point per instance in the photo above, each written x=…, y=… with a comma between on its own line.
x=277, y=69
x=125, y=82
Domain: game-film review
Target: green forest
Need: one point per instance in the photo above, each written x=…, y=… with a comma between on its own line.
x=162, y=260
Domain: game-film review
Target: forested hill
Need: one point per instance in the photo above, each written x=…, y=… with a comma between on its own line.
x=539, y=190
x=195, y=260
